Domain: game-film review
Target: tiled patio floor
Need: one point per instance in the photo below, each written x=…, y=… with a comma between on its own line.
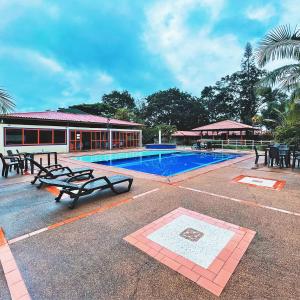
x=209, y=261
x=82, y=253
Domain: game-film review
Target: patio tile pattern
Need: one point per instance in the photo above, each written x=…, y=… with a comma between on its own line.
x=216, y=275
x=266, y=183
x=12, y=274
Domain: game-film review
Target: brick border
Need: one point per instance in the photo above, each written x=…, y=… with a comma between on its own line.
x=15, y=282
x=215, y=277
x=278, y=186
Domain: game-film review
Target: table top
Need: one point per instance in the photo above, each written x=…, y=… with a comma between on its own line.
x=39, y=153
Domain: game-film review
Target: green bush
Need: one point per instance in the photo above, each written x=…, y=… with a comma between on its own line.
x=289, y=134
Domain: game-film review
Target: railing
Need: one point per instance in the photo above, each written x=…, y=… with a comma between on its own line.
x=236, y=144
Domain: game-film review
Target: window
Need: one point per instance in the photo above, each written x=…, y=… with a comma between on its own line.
x=59, y=136
x=34, y=136
x=13, y=136
x=45, y=136
x=30, y=136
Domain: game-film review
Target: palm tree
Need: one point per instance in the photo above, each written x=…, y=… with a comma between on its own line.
x=281, y=43
x=6, y=103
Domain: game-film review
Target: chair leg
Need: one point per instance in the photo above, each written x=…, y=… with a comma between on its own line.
x=128, y=189
x=6, y=173
x=256, y=160
x=72, y=205
x=34, y=180
x=57, y=199
x=130, y=184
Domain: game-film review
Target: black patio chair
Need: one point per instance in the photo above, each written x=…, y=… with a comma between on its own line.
x=296, y=158
x=209, y=145
x=16, y=157
x=9, y=162
x=57, y=170
x=195, y=147
x=75, y=191
x=273, y=155
x=257, y=155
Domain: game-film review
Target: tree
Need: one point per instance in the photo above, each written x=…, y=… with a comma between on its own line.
x=219, y=101
x=173, y=107
x=234, y=96
x=98, y=109
x=248, y=77
x=166, y=131
x=124, y=114
x=281, y=43
x=288, y=130
x=150, y=134
x=6, y=102
x=116, y=100
x=109, y=105
x=276, y=100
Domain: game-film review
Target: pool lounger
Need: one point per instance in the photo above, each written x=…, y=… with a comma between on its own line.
x=55, y=171
x=76, y=191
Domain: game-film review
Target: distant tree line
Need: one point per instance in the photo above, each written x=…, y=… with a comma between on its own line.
x=236, y=96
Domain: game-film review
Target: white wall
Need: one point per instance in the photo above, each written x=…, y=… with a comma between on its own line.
x=56, y=148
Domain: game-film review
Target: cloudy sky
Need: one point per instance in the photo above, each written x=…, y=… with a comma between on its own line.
x=56, y=53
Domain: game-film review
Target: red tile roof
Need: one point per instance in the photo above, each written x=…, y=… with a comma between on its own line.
x=186, y=133
x=67, y=117
x=224, y=125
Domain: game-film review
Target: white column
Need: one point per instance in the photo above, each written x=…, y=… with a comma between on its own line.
x=110, y=139
x=159, y=136
x=141, y=138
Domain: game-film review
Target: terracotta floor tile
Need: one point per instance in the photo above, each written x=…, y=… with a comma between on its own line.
x=170, y=263
x=188, y=273
x=210, y=286
x=222, y=278
x=204, y=272
x=216, y=266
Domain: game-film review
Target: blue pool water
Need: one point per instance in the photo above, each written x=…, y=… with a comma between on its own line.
x=164, y=163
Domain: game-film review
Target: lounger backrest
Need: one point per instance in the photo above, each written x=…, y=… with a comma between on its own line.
x=38, y=165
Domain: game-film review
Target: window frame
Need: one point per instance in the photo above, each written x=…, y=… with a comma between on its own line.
x=38, y=129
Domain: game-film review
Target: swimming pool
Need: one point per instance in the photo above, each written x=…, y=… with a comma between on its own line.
x=162, y=162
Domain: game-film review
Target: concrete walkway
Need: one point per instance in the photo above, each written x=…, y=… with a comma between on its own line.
x=87, y=258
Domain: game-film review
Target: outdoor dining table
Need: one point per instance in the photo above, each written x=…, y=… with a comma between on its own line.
x=284, y=155
x=32, y=154
x=266, y=155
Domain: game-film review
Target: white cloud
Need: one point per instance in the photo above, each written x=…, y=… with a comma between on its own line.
x=261, y=13
x=195, y=58
x=11, y=10
x=73, y=84
x=290, y=12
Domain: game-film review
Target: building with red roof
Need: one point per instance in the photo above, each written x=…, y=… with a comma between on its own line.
x=224, y=130
x=64, y=132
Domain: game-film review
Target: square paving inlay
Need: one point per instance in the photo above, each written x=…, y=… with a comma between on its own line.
x=203, y=249
x=191, y=234
x=261, y=182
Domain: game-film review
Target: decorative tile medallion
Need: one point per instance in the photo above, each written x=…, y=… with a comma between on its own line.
x=261, y=182
x=201, y=248
x=191, y=234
